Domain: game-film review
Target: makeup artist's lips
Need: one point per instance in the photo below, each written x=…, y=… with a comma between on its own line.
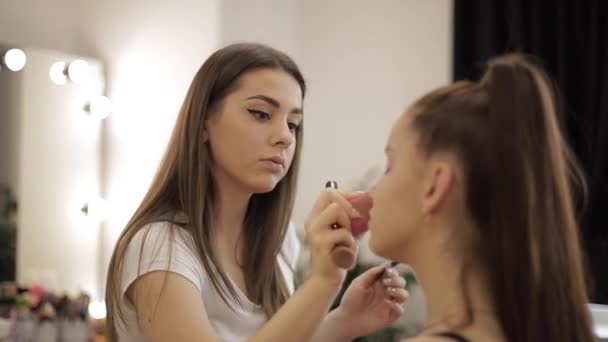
x=274, y=164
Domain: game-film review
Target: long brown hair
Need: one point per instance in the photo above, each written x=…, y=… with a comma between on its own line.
x=184, y=184
x=519, y=175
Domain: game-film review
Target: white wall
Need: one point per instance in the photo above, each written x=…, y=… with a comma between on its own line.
x=273, y=22
x=152, y=50
x=364, y=61
x=42, y=24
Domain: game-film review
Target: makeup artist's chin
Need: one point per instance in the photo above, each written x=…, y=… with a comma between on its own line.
x=265, y=181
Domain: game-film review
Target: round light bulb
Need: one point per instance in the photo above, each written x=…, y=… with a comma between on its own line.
x=57, y=73
x=96, y=209
x=97, y=310
x=15, y=59
x=79, y=71
x=99, y=107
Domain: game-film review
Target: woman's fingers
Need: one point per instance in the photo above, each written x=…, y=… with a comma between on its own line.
x=397, y=295
x=393, y=280
x=326, y=198
x=333, y=215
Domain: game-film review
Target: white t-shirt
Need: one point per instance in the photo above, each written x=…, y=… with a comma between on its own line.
x=230, y=325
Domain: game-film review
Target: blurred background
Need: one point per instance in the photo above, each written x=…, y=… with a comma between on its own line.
x=89, y=92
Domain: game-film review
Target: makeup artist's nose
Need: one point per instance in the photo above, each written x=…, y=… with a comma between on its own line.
x=282, y=134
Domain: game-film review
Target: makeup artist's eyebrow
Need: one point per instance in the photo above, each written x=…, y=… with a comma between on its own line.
x=273, y=103
x=388, y=149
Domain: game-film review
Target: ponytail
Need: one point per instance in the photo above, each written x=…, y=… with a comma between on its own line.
x=541, y=295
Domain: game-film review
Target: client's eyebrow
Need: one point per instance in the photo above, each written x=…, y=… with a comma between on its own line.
x=273, y=102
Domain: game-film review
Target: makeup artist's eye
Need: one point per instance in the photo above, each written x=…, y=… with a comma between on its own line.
x=260, y=115
x=293, y=127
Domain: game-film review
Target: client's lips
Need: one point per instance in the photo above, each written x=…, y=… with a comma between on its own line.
x=363, y=203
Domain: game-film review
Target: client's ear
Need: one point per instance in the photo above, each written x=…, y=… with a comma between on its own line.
x=438, y=185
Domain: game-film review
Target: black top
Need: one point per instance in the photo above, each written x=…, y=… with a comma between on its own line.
x=453, y=336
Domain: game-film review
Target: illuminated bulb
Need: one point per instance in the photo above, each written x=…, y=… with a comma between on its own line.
x=96, y=209
x=97, y=310
x=14, y=59
x=99, y=107
x=78, y=71
x=58, y=74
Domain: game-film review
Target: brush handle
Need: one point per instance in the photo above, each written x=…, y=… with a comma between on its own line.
x=342, y=256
